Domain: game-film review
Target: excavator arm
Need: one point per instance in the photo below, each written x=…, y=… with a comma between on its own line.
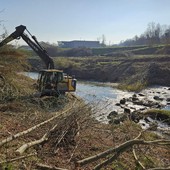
x=51, y=81
x=38, y=49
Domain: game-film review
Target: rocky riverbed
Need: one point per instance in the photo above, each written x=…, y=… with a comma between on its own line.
x=145, y=108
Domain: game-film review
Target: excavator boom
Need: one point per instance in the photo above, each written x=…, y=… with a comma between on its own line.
x=38, y=49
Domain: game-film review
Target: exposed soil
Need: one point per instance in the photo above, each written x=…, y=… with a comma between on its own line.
x=149, y=70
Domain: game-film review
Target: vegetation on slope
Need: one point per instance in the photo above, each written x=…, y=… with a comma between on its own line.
x=133, y=67
x=13, y=84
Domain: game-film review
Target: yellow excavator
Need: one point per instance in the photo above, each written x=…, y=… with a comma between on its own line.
x=50, y=81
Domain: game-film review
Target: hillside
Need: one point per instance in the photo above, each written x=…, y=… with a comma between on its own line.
x=141, y=65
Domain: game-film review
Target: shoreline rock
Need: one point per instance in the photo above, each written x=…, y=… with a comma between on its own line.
x=135, y=105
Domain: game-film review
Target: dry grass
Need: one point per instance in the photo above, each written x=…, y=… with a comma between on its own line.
x=13, y=85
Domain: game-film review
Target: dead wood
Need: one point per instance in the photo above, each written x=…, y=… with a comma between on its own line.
x=137, y=160
x=117, y=151
x=48, y=167
x=10, y=138
x=17, y=158
x=107, y=152
x=62, y=128
x=45, y=137
x=160, y=168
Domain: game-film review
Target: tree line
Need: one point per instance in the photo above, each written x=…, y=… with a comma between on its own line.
x=154, y=34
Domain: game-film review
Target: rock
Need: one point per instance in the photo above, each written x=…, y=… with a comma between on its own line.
x=150, y=103
x=134, y=97
x=157, y=98
x=143, y=108
x=115, y=121
x=117, y=104
x=168, y=99
x=127, y=110
x=140, y=94
x=159, y=106
x=134, y=117
x=123, y=101
x=112, y=114
x=139, y=102
x=118, y=119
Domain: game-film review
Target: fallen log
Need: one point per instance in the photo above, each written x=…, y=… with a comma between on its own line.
x=24, y=147
x=117, y=150
x=107, y=152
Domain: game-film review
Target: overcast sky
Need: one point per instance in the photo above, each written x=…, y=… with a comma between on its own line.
x=57, y=20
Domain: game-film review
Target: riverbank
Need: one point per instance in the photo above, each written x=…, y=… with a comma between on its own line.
x=133, y=73
x=106, y=95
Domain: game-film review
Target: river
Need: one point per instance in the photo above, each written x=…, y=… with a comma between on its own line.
x=103, y=98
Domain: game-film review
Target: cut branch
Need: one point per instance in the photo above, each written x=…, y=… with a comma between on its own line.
x=137, y=160
x=17, y=158
x=10, y=138
x=117, y=150
x=47, y=167
x=67, y=120
x=109, y=151
x=160, y=168
x=45, y=137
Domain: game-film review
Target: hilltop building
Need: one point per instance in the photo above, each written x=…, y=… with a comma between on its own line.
x=78, y=43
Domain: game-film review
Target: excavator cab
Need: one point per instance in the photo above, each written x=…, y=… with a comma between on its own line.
x=55, y=82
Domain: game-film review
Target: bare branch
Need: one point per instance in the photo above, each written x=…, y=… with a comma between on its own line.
x=160, y=168
x=17, y=158
x=109, y=151
x=10, y=138
x=47, y=167
x=117, y=150
x=24, y=147
x=137, y=160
